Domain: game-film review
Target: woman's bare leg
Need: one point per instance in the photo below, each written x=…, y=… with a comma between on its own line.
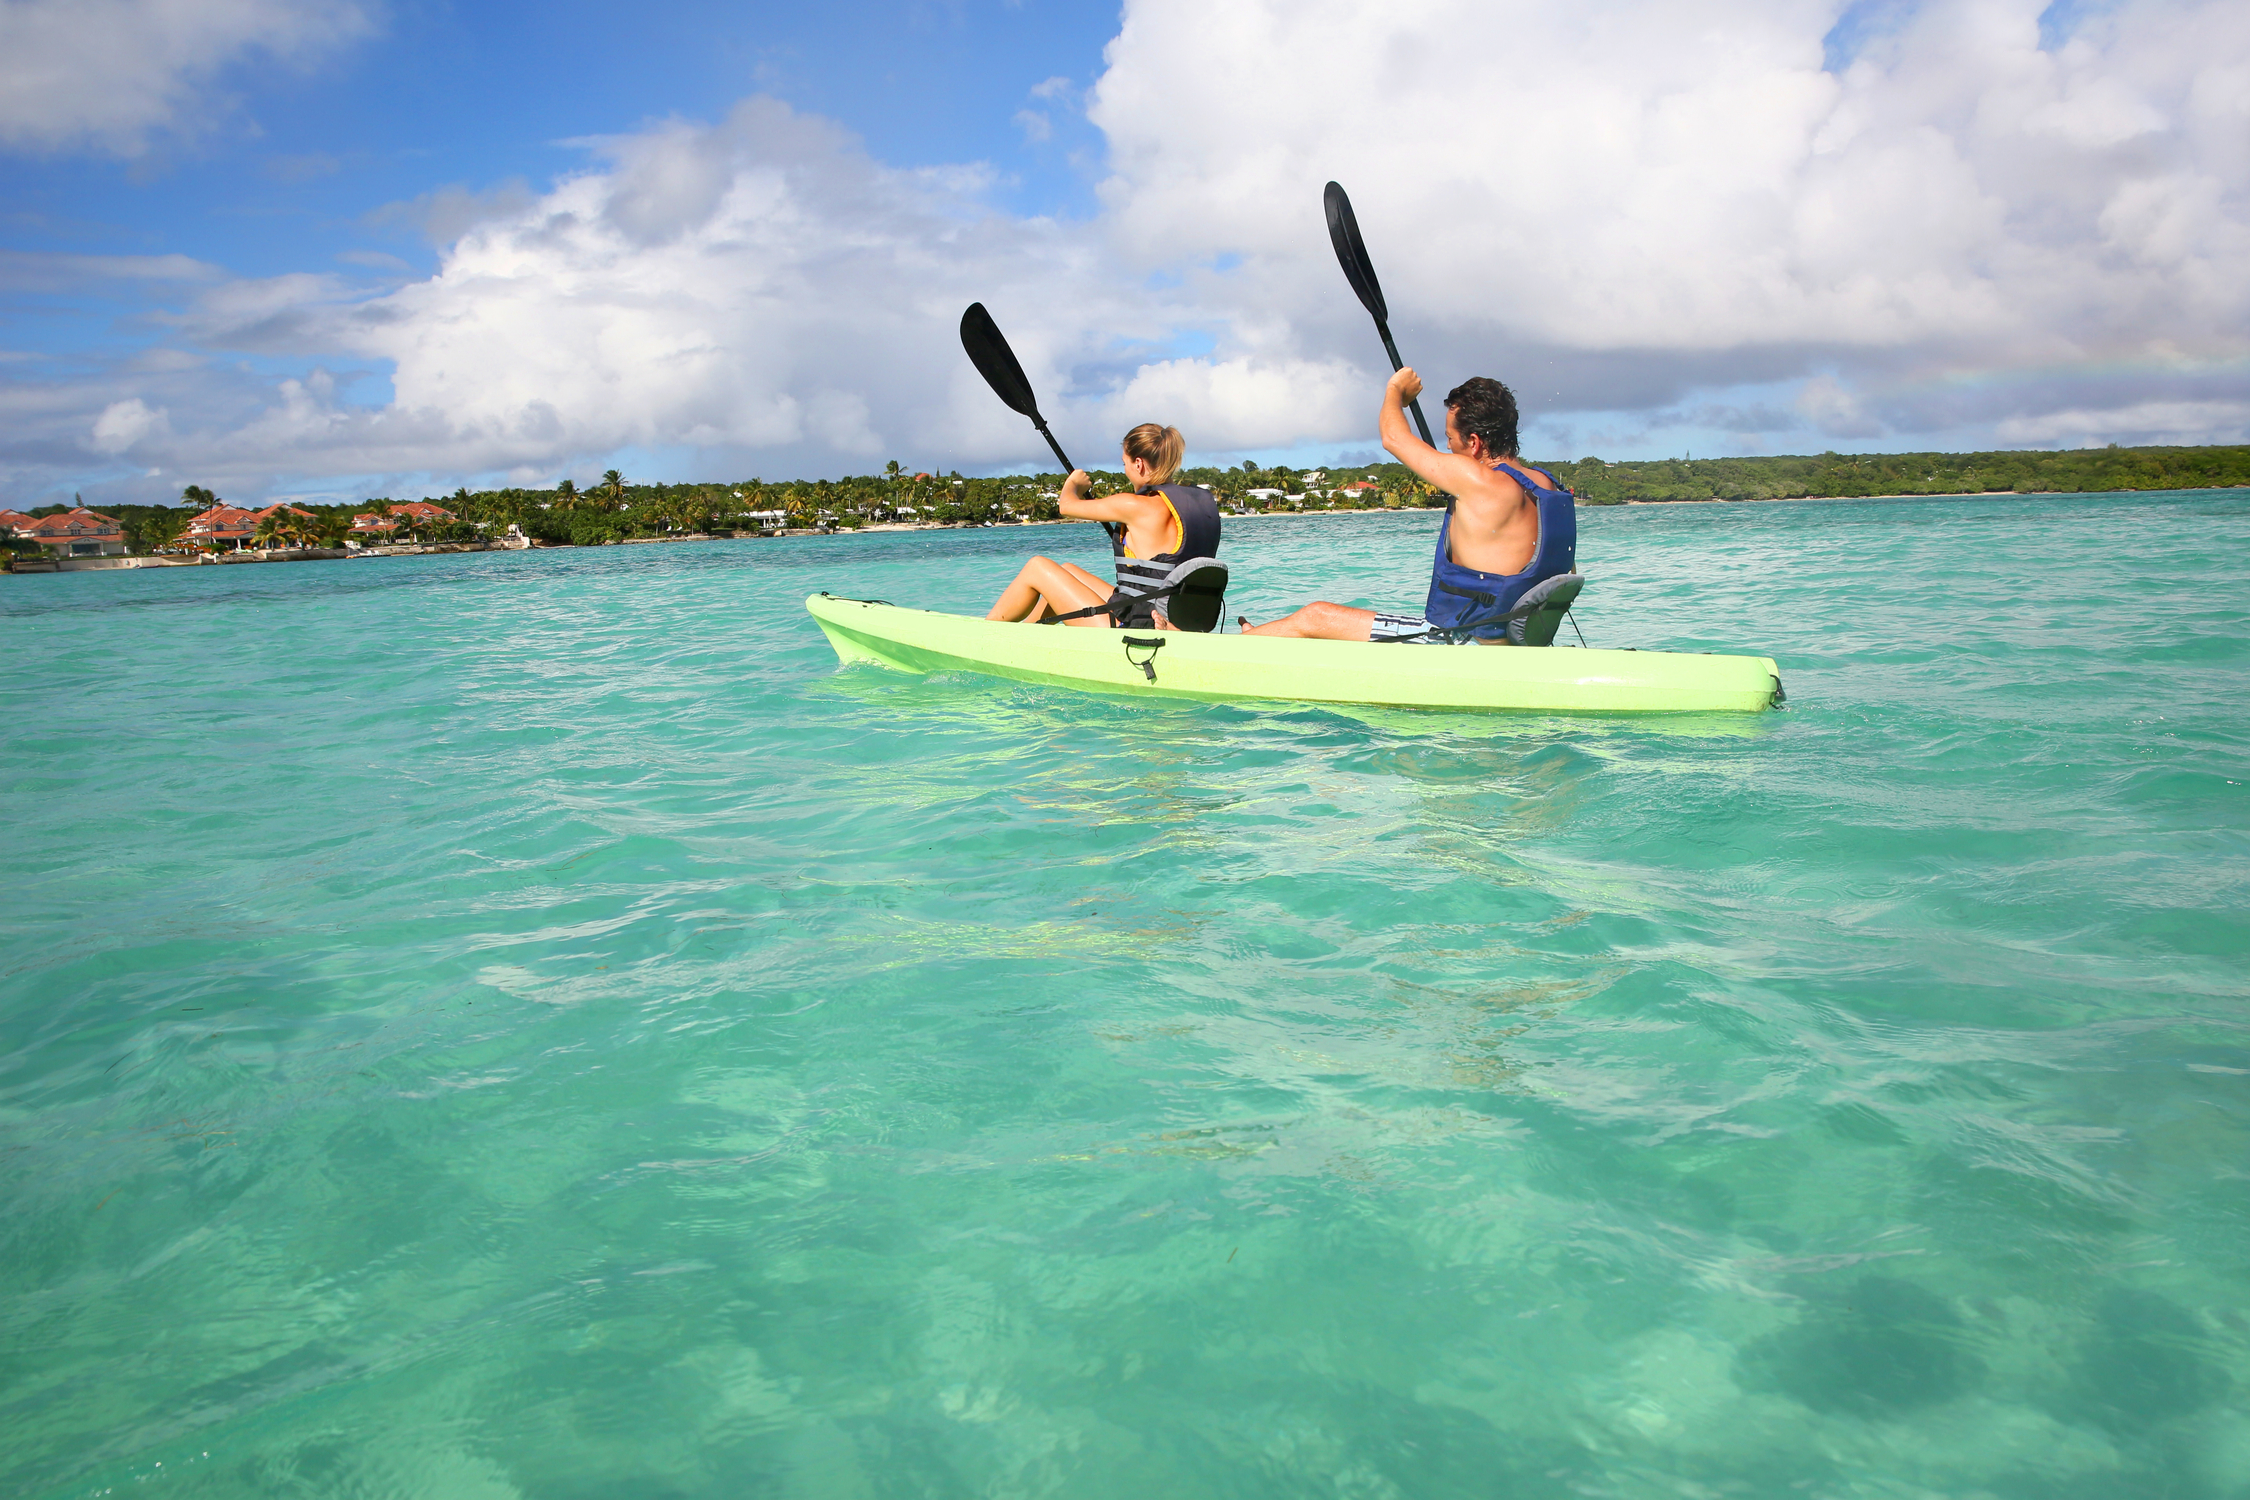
x=1092, y=583
x=1045, y=585
x=1091, y=590
x=1078, y=589
x=1023, y=598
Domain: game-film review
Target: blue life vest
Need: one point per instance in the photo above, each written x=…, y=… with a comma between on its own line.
x=1466, y=602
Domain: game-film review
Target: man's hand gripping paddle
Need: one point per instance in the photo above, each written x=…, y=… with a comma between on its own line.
x=996, y=362
x=1351, y=253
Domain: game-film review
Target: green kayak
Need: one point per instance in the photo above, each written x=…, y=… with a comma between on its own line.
x=1183, y=665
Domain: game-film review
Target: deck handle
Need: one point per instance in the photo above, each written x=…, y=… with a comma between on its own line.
x=1150, y=643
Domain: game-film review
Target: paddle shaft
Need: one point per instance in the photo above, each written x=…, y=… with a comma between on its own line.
x=1060, y=456
x=1391, y=349
x=1111, y=527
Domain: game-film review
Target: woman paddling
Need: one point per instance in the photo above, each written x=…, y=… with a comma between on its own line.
x=1156, y=526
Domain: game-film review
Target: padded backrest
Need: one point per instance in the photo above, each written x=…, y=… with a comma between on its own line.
x=1539, y=612
x=1199, y=595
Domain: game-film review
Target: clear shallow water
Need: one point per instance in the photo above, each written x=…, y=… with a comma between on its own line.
x=529, y=1025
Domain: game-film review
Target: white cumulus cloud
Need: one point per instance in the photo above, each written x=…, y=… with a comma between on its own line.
x=759, y=290
x=124, y=423
x=112, y=73
x=1689, y=182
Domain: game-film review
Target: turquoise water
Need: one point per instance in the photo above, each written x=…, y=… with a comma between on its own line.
x=528, y=1025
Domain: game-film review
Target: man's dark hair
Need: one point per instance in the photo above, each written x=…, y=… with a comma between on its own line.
x=1483, y=407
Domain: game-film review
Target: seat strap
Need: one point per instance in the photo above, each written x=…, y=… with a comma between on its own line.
x=1119, y=603
x=1538, y=597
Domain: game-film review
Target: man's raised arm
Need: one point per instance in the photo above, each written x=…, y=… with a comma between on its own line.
x=1447, y=471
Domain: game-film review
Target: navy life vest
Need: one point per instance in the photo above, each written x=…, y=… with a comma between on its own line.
x=1467, y=603
x=1137, y=577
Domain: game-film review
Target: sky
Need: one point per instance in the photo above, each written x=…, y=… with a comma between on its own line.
x=332, y=249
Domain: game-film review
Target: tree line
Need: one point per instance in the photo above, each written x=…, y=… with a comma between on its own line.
x=614, y=509
x=2077, y=471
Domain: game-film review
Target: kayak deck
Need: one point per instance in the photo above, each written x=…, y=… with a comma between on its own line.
x=1178, y=664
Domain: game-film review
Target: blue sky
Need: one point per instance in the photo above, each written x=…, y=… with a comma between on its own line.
x=341, y=165
x=337, y=247
x=294, y=166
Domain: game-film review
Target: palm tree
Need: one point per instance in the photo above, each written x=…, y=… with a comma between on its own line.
x=614, y=482
x=276, y=529
x=197, y=495
x=566, y=493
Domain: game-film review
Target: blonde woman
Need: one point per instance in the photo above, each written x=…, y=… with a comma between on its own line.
x=1153, y=526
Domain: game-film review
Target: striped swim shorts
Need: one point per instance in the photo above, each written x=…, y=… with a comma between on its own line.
x=1401, y=628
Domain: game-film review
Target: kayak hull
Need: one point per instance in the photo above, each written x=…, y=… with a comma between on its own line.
x=1278, y=669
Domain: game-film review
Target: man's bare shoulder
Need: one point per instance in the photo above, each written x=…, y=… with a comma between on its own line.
x=1484, y=487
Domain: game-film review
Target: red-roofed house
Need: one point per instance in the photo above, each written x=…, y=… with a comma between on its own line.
x=13, y=521
x=233, y=525
x=221, y=525
x=421, y=511
x=263, y=516
x=78, y=533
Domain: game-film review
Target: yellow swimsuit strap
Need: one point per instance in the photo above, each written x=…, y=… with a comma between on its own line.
x=1179, y=528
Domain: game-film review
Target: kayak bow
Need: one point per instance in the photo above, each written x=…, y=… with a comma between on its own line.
x=1179, y=664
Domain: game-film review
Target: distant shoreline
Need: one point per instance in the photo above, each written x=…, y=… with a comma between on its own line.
x=138, y=561
x=2193, y=489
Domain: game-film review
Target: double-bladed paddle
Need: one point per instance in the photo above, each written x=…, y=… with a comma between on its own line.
x=996, y=362
x=1351, y=253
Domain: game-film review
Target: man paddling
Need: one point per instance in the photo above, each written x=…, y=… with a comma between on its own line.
x=1503, y=532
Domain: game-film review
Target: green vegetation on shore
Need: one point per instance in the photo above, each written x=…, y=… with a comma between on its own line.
x=2071, y=472
x=614, y=510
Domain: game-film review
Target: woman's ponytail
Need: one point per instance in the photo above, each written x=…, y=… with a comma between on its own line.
x=1161, y=448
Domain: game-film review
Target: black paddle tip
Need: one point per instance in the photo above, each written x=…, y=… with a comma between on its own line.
x=1351, y=251
x=988, y=350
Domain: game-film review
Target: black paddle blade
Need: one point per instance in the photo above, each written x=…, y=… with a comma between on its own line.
x=1351, y=252
x=996, y=362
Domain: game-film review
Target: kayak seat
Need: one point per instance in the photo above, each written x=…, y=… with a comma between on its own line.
x=1191, y=596
x=1538, y=614
x=1195, y=595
